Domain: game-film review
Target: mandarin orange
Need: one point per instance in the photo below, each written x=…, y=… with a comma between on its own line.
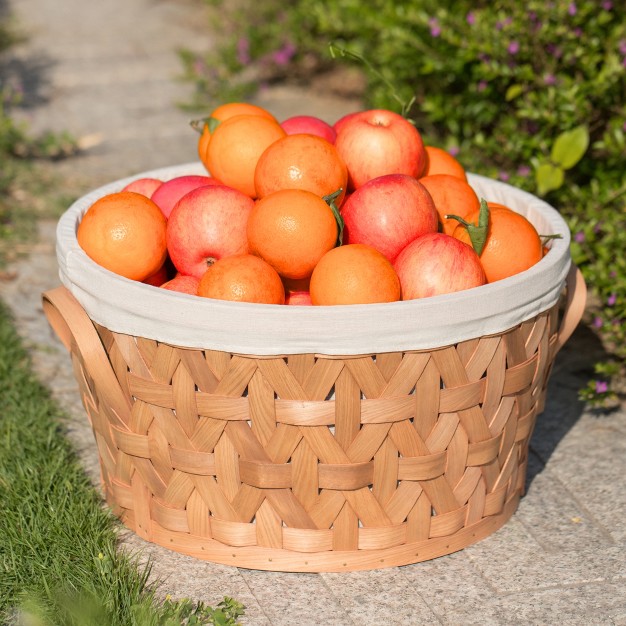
x=221, y=113
x=291, y=229
x=440, y=161
x=301, y=161
x=512, y=245
x=236, y=146
x=354, y=274
x=452, y=196
x=124, y=232
x=242, y=278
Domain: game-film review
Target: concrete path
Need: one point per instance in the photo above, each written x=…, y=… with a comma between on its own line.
x=106, y=71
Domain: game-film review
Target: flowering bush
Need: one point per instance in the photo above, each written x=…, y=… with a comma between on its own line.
x=531, y=93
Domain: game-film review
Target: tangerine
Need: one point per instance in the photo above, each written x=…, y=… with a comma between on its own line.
x=451, y=195
x=512, y=245
x=236, y=146
x=221, y=113
x=291, y=229
x=354, y=274
x=124, y=232
x=242, y=278
x=440, y=161
x=301, y=161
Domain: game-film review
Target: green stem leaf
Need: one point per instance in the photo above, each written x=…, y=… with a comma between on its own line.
x=477, y=232
x=330, y=201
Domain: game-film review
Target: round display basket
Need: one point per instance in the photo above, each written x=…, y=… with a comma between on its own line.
x=314, y=439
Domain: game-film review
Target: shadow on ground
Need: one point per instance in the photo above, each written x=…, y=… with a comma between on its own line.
x=572, y=369
x=24, y=76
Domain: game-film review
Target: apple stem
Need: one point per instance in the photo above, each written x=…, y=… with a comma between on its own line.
x=330, y=200
x=477, y=232
x=199, y=124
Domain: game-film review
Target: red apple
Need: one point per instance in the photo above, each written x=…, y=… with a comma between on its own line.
x=309, y=124
x=207, y=224
x=171, y=191
x=377, y=142
x=183, y=284
x=435, y=264
x=388, y=213
x=301, y=298
x=145, y=186
x=158, y=278
x=342, y=120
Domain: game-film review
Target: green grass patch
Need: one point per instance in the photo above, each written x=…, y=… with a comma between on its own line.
x=58, y=558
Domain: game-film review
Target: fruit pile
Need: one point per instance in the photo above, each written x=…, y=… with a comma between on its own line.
x=302, y=212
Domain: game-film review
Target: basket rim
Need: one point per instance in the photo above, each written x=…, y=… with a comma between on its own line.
x=128, y=307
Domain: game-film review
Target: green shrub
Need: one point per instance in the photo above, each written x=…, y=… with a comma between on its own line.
x=495, y=83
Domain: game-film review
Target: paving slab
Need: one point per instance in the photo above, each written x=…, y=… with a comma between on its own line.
x=108, y=72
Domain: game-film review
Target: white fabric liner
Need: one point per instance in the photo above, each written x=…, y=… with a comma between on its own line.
x=133, y=308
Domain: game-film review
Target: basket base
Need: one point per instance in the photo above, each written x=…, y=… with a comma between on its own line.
x=279, y=560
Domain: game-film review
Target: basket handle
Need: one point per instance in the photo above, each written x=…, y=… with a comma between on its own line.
x=78, y=334
x=575, y=302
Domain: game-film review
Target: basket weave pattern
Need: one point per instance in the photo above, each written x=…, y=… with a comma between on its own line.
x=310, y=462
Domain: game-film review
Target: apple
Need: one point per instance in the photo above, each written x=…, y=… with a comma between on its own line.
x=159, y=277
x=388, y=212
x=145, y=186
x=171, y=191
x=377, y=142
x=435, y=264
x=207, y=223
x=301, y=298
x=309, y=124
x=182, y=284
x=342, y=120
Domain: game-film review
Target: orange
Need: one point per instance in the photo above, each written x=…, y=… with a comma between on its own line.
x=291, y=229
x=451, y=195
x=124, y=232
x=512, y=246
x=236, y=146
x=440, y=161
x=223, y=112
x=354, y=274
x=242, y=278
x=301, y=161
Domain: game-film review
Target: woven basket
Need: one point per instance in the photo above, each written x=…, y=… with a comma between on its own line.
x=314, y=462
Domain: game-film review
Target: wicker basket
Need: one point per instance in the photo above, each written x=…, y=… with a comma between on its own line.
x=313, y=462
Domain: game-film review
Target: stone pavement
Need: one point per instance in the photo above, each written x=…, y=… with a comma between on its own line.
x=108, y=74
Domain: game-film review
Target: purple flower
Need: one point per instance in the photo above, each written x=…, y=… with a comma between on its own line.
x=471, y=18
x=554, y=51
x=523, y=170
x=597, y=322
x=532, y=16
x=601, y=386
x=611, y=300
x=571, y=9
x=549, y=79
x=435, y=29
x=284, y=54
x=513, y=47
x=243, y=51
x=454, y=150
x=621, y=46
x=503, y=176
x=612, y=274
x=579, y=237
x=482, y=85
x=607, y=5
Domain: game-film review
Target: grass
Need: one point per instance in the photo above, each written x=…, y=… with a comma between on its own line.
x=58, y=557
